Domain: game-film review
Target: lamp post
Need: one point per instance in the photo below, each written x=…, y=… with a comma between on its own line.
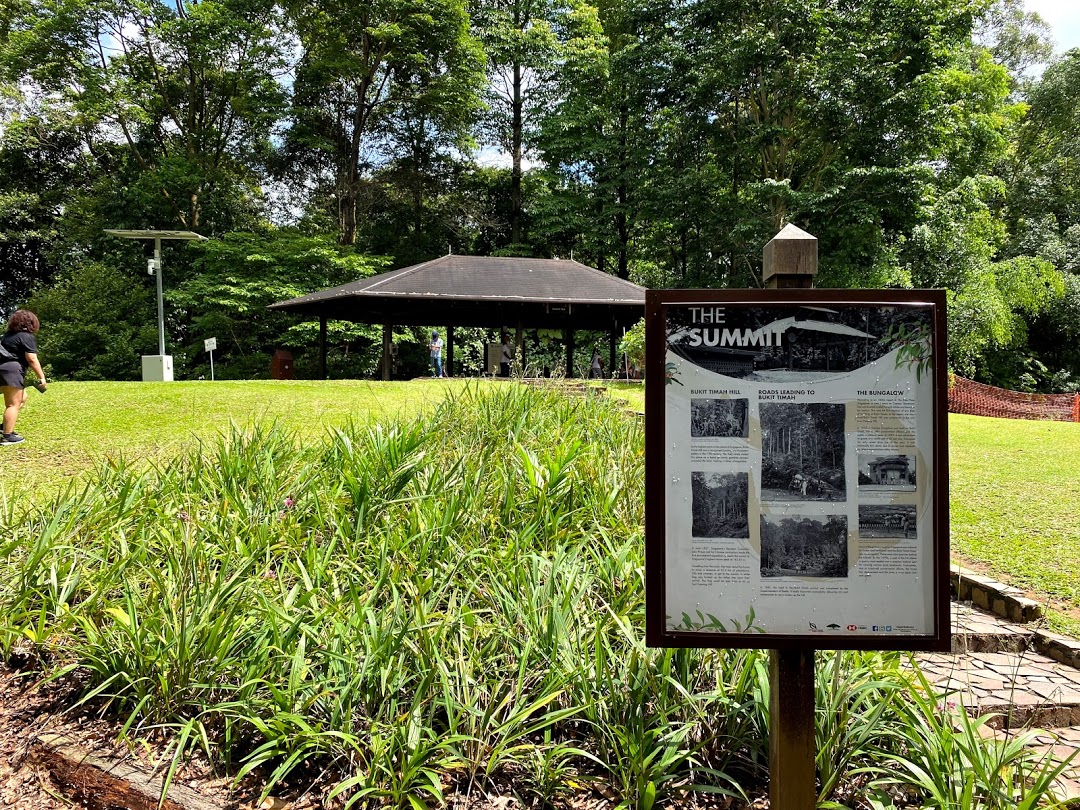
x=157, y=368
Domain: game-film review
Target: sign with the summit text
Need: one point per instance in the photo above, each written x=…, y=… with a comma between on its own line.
x=796, y=469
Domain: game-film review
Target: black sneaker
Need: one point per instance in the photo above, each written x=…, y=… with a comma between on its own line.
x=12, y=438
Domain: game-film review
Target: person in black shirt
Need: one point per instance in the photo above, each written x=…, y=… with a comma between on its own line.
x=18, y=352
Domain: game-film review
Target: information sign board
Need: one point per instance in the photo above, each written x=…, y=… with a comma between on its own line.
x=210, y=344
x=796, y=469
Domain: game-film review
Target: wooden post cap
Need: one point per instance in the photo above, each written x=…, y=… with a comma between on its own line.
x=790, y=259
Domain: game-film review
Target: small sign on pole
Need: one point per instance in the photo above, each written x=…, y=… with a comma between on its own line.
x=210, y=344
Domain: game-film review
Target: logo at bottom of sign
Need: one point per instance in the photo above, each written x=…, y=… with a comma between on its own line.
x=851, y=628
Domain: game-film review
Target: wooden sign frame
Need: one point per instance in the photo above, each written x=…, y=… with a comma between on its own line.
x=815, y=313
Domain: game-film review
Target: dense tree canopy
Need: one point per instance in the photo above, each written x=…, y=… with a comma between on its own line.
x=663, y=141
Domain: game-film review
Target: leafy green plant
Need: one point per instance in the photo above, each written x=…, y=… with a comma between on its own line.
x=552, y=771
x=707, y=621
x=856, y=697
x=403, y=764
x=912, y=344
x=940, y=752
x=671, y=374
x=632, y=344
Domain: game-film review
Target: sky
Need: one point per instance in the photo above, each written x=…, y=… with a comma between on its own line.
x=1063, y=16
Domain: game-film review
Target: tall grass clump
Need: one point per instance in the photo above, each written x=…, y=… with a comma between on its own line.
x=453, y=602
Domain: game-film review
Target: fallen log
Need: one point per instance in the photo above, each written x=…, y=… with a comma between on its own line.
x=102, y=782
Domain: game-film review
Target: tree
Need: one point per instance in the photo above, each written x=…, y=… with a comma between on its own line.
x=520, y=45
x=823, y=114
x=719, y=504
x=189, y=88
x=1017, y=39
x=597, y=138
x=685, y=135
x=957, y=248
x=1043, y=214
x=805, y=439
x=96, y=323
x=1047, y=172
x=42, y=166
x=236, y=277
x=372, y=78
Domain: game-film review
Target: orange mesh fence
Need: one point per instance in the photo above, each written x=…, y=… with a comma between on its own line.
x=968, y=396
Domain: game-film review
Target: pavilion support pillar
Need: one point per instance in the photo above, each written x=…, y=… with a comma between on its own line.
x=519, y=348
x=449, y=351
x=322, y=347
x=613, y=344
x=569, y=353
x=387, y=331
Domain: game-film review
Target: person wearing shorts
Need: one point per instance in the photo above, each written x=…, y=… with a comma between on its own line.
x=18, y=352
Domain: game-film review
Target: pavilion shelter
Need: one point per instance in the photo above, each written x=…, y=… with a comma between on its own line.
x=485, y=291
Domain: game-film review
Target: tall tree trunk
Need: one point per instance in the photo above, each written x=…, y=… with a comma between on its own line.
x=347, y=211
x=516, y=135
x=621, y=197
x=419, y=168
x=350, y=185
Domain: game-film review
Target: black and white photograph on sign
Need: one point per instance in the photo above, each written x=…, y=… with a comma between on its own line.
x=802, y=451
x=719, y=506
x=879, y=473
x=795, y=344
x=803, y=546
x=723, y=418
x=897, y=520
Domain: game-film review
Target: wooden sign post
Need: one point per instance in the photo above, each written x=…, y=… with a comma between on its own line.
x=790, y=261
x=796, y=471
x=792, y=782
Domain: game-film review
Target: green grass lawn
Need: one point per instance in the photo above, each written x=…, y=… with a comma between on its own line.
x=75, y=424
x=1014, y=483
x=1015, y=490
x=631, y=393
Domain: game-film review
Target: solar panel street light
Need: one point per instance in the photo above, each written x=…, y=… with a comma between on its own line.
x=157, y=368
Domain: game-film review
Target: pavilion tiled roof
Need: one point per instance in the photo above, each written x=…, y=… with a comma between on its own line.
x=486, y=278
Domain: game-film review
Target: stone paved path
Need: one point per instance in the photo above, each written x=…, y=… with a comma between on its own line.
x=978, y=631
x=995, y=669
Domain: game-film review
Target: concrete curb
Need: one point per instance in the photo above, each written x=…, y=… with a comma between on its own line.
x=996, y=597
x=1061, y=648
x=1011, y=604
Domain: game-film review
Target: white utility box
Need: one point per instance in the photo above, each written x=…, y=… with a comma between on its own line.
x=157, y=368
x=493, y=356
